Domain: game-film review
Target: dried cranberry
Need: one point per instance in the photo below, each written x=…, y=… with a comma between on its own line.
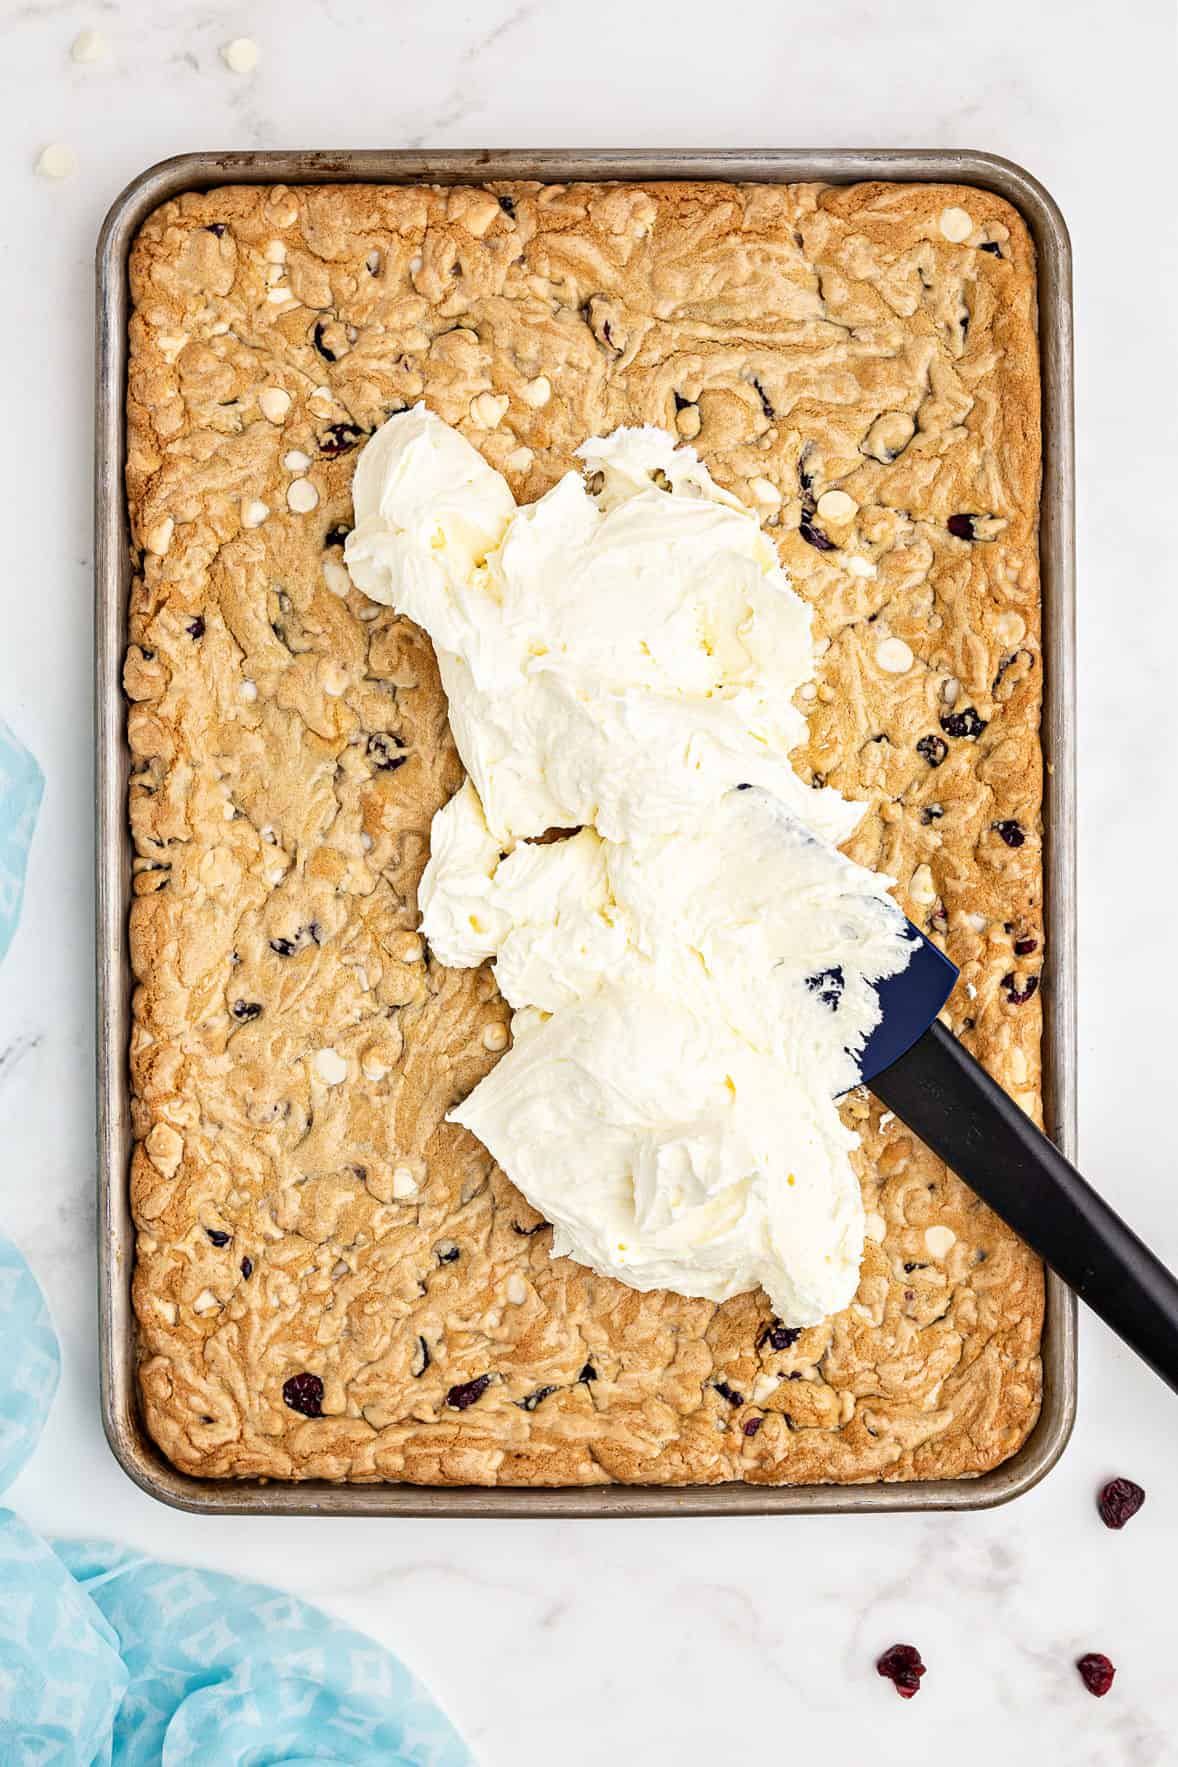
x=828, y=984
x=909, y=1268
x=217, y=227
x=283, y=947
x=1119, y=1502
x=938, y=920
x=752, y=1425
x=766, y=404
x=217, y=1237
x=814, y=536
x=933, y=748
x=728, y=1393
x=447, y=1252
x=320, y=328
x=902, y=1666
x=507, y=204
x=992, y=246
x=681, y=403
x=247, y=1268
x=587, y=1374
x=1011, y=832
x=421, y=1360
x=246, y=1009
x=533, y=1399
x=339, y=438
x=458, y=1398
x=931, y=813
x=778, y=1336
x=1096, y=1672
x=384, y=752
x=304, y=1392
x=336, y=536
x=961, y=527
x=1024, y=947
x=196, y=628
x=527, y=1232
x=965, y=723
x=1016, y=995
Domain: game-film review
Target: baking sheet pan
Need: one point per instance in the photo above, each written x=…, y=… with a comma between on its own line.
x=132, y=1446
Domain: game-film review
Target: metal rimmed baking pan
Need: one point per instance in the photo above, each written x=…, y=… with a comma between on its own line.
x=132, y=1446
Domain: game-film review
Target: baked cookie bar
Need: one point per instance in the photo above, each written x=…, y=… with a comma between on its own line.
x=331, y=1280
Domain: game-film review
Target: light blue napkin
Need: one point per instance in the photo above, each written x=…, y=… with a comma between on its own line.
x=111, y=1659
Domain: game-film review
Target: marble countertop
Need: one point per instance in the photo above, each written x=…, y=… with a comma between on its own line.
x=661, y=1642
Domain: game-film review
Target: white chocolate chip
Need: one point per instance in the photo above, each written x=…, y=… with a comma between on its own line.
x=950, y=688
x=875, y=1227
x=372, y=1067
x=487, y=408
x=893, y=655
x=301, y=496
x=57, y=161
x=253, y=512
x=336, y=577
x=977, y=922
x=537, y=392
x=240, y=56
x=971, y=991
x=89, y=46
x=205, y=1302
x=887, y=1119
x=494, y=1037
x=275, y=251
x=295, y=460
x=859, y=567
x=956, y=225
x=1018, y=1065
x=809, y=691
x=321, y=394
x=274, y=403
x=1010, y=627
x=335, y=679
x=763, y=1386
x=519, y=460
x=366, y=841
x=330, y=1067
x=279, y=293
x=939, y=1240
x=763, y=491
x=836, y=506
x=168, y=1310
x=249, y=690
x=372, y=263
x=159, y=537
x=516, y=1291
x=228, y=812
x=922, y=888
x=404, y=1183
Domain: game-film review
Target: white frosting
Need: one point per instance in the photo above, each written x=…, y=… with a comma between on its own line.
x=619, y=658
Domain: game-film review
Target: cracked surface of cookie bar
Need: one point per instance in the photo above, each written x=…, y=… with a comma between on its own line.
x=331, y=1281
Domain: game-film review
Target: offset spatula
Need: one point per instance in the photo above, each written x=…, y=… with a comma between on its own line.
x=920, y=1071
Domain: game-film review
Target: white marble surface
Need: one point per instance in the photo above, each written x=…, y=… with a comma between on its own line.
x=653, y=1642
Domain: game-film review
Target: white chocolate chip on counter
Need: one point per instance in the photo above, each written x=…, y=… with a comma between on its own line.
x=837, y=506
x=89, y=46
x=253, y=512
x=295, y=460
x=404, y=1183
x=956, y=224
x=486, y=409
x=922, y=889
x=875, y=1227
x=57, y=161
x=240, y=56
x=495, y=1037
x=893, y=655
x=537, y=392
x=330, y=1067
x=517, y=1290
x=274, y=403
x=939, y=1240
x=301, y=496
x=764, y=491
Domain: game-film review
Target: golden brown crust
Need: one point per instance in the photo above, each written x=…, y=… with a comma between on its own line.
x=290, y=745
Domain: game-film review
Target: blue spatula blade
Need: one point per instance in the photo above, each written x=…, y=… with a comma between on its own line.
x=909, y=1003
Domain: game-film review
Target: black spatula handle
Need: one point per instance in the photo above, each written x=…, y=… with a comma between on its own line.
x=950, y=1101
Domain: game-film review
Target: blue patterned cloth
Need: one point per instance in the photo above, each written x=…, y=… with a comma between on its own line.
x=20, y=798
x=111, y=1659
